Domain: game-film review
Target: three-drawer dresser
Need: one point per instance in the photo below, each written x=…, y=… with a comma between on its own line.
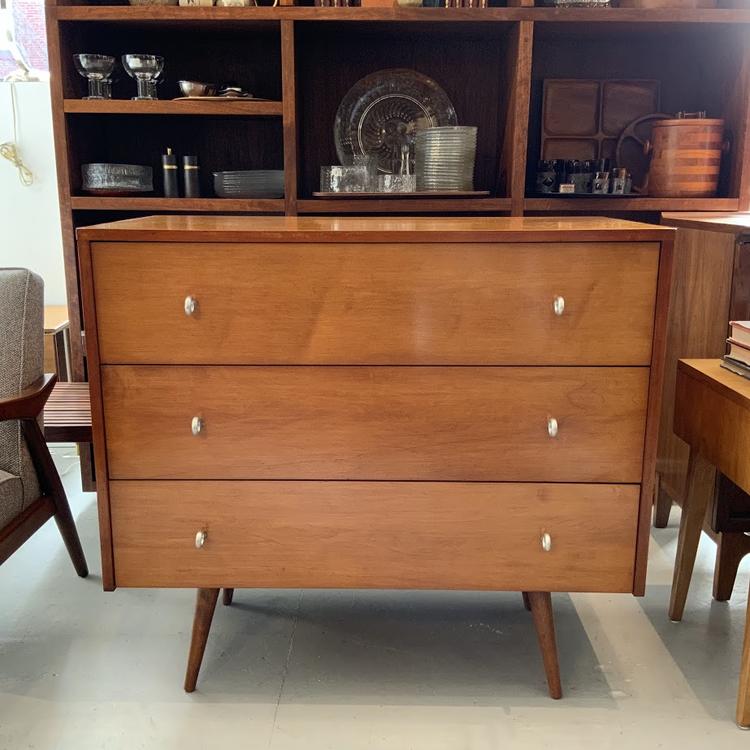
x=411, y=403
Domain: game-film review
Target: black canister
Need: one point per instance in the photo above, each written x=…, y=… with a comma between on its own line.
x=169, y=170
x=589, y=170
x=576, y=176
x=546, y=177
x=190, y=175
x=619, y=180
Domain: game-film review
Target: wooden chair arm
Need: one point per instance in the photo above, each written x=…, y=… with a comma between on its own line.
x=28, y=404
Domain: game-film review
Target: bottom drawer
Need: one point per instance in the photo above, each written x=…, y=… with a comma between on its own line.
x=418, y=535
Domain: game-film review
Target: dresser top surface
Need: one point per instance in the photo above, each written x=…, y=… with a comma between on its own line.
x=372, y=229
x=733, y=223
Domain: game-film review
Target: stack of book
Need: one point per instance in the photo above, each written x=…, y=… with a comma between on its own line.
x=738, y=358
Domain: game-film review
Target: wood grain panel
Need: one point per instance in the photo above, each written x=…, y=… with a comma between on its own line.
x=653, y=415
x=380, y=423
x=376, y=304
x=701, y=282
x=375, y=535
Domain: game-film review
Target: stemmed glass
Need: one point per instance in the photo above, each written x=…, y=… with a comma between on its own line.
x=97, y=69
x=146, y=70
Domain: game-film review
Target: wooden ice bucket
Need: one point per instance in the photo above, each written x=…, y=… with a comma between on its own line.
x=685, y=157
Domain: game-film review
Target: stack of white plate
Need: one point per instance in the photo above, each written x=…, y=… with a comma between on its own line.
x=445, y=158
x=251, y=183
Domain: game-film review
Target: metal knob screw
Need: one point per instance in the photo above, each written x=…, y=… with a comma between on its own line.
x=558, y=305
x=196, y=425
x=552, y=427
x=191, y=304
x=200, y=538
x=546, y=542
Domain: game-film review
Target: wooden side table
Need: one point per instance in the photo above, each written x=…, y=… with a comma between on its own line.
x=712, y=415
x=57, y=341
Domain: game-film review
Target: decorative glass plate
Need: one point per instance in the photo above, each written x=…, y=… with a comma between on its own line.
x=381, y=113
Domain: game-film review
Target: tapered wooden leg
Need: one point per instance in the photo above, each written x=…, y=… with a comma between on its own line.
x=526, y=602
x=226, y=597
x=52, y=486
x=541, y=610
x=743, y=694
x=730, y=550
x=662, y=505
x=204, y=613
x=69, y=534
x=700, y=477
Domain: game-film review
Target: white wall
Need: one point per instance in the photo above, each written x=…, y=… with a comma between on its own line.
x=29, y=216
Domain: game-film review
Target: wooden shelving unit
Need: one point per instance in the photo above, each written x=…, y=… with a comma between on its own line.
x=303, y=59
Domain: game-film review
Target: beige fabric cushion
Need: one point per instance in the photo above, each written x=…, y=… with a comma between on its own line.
x=21, y=363
x=11, y=497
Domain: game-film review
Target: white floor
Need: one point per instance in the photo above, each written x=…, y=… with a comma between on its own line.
x=82, y=669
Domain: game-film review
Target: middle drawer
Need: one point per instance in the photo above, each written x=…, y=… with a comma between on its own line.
x=561, y=424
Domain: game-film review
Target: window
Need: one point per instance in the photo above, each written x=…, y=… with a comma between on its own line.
x=25, y=20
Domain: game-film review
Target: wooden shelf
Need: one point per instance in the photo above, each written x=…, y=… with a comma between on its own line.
x=223, y=107
x=165, y=13
x=408, y=15
x=217, y=205
x=587, y=205
x=404, y=205
x=638, y=15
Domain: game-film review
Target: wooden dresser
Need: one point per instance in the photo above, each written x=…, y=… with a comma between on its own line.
x=375, y=403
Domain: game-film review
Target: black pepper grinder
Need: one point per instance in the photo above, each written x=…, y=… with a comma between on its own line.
x=190, y=177
x=169, y=169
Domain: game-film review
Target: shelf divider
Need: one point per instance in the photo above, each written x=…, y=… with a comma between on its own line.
x=289, y=118
x=515, y=145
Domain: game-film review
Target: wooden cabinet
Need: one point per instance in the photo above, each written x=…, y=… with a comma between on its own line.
x=417, y=403
x=710, y=287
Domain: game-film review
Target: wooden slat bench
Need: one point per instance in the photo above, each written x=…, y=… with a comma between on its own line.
x=67, y=415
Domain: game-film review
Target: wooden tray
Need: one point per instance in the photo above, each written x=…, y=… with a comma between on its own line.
x=582, y=119
x=422, y=194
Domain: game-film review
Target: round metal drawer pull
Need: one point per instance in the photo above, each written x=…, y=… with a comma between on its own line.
x=558, y=305
x=196, y=425
x=191, y=304
x=546, y=542
x=200, y=538
x=552, y=427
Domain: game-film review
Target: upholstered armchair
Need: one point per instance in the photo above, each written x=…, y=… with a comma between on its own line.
x=30, y=488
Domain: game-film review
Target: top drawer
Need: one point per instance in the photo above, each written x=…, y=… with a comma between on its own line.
x=399, y=304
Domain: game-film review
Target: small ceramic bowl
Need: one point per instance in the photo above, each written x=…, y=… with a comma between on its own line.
x=196, y=88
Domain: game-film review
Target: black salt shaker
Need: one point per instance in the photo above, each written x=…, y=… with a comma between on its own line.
x=169, y=169
x=190, y=177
